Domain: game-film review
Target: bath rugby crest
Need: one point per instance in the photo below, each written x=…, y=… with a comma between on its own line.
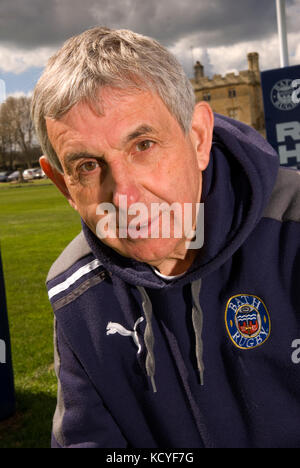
x=247, y=321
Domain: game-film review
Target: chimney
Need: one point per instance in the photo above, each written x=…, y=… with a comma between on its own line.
x=198, y=72
x=253, y=61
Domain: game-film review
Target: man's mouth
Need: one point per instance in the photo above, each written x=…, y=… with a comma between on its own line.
x=140, y=229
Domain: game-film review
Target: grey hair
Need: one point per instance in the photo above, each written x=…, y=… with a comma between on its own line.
x=102, y=57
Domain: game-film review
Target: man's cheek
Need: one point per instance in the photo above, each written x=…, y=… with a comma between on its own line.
x=87, y=212
x=85, y=197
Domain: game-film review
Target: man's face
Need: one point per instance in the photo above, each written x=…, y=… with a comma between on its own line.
x=137, y=150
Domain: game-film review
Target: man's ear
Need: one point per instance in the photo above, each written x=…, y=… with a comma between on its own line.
x=202, y=132
x=57, y=178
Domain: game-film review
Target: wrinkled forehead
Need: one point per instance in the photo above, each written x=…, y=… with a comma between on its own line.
x=121, y=113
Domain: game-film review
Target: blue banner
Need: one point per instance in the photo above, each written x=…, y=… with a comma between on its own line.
x=7, y=396
x=281, y=97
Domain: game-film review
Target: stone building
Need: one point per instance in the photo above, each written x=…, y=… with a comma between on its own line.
x=237, y=96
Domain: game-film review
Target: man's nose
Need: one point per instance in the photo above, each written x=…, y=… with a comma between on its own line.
x=124, y=184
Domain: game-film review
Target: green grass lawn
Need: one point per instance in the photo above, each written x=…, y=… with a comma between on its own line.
x=36, y=223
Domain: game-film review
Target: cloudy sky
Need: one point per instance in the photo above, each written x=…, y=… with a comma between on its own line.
x=219, y=33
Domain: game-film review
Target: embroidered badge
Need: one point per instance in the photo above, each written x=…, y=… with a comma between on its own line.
x=113, y=327
x=247, y=321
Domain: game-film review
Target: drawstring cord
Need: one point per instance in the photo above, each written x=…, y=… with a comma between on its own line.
x=197, y=318
x=148, y=337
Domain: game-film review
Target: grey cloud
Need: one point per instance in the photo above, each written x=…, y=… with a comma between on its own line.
x=33, y=23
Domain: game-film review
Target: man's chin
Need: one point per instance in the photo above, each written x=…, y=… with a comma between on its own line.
x=149, y=251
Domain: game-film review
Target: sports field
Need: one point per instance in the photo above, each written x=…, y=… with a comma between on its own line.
x=36, y=223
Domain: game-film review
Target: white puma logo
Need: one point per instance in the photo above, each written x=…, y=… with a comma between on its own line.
x=113, y=327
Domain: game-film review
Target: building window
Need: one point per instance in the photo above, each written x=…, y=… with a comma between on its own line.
x=207, y=97
x=233, y=113
x=232, y=93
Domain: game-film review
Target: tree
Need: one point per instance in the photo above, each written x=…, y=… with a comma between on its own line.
x=7, y=142
x=16, y=127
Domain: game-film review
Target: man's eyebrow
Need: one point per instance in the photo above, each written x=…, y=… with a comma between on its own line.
x=139, y=131
x=71, y=157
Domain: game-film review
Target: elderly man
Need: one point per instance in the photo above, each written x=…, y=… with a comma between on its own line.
x=161, y=341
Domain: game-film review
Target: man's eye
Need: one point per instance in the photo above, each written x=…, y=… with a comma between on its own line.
x=88, y=166
x=144, y=145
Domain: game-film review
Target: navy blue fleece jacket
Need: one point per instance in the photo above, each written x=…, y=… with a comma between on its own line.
x=203, y=360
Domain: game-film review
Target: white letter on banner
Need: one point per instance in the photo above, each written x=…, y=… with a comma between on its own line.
x=2, y=352
x=296, y=93
x=291, y=129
